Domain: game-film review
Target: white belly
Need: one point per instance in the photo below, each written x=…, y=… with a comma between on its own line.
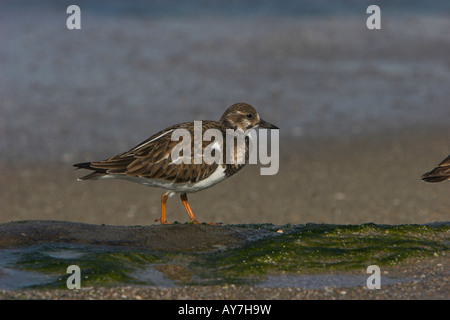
x=213, y=179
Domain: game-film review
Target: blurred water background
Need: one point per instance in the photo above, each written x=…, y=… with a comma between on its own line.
x=135, y=67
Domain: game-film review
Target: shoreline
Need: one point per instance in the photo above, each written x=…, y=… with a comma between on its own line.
x=429, y=280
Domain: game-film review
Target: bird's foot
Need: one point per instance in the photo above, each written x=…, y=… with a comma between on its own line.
x=214, y=223
x=162, y=222
x=209, y=223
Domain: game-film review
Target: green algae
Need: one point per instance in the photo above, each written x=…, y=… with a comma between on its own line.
x=316, y=248
x=299, y=249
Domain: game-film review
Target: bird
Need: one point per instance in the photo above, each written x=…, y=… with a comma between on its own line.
x=150, y=162
x=439, y=173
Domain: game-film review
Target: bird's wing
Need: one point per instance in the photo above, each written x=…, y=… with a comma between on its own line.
x=153, y=159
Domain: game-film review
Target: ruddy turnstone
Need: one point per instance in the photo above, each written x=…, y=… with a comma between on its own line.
x=440, y=173
x=150, y=162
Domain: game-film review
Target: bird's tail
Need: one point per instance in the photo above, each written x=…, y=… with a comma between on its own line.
x=98, y=173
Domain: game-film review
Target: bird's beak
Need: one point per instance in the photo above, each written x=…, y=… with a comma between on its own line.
x=265, y=124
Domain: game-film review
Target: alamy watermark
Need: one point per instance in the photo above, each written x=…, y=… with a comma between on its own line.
x=374, y=281
x=235, y=145
x=74, y=280
x=74, y=20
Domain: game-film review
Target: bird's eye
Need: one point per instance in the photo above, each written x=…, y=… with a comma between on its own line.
x=249, y=116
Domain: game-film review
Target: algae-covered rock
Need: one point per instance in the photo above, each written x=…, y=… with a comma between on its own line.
x=37, y=253
x=154, y=237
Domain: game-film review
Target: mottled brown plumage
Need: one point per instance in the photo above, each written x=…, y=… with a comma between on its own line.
x=439, y=173
x=151, y=163
x=152, y=159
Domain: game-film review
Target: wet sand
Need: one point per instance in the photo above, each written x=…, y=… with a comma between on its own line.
x=369, y=178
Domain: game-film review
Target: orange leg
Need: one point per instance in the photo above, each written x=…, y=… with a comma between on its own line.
x=164, y=198
x=184, y=199
x=192, y=219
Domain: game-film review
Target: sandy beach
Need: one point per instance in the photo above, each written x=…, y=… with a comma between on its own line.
x=372, y=178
